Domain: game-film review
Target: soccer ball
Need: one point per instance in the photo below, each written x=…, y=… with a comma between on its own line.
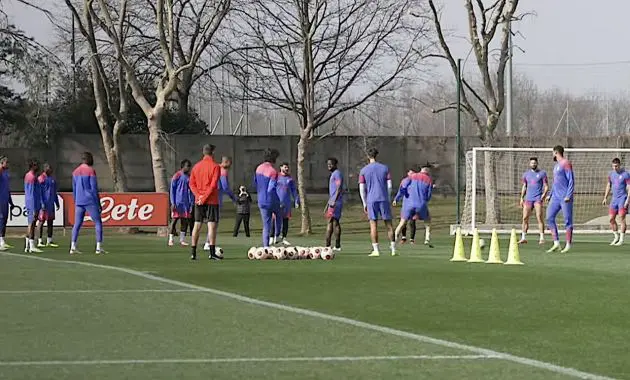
x=251, y=254
x=327, y=254
x=279, y=253
x=303, y=252
x=291, y=253
x=260, y=253
x=315, y=253
x=482, y=243
x=268, y=253
x=219, y=252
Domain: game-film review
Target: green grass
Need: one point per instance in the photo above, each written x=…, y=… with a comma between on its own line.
x=569, y=310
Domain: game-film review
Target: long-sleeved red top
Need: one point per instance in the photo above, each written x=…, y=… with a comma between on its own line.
x=204, y=181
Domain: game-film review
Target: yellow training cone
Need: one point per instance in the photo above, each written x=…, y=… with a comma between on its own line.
x=458, y=250
x=495, y=251
x=514, y=257
x=475, y=249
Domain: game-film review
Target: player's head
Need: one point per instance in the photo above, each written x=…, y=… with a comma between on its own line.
x=284, y=168
x=425, y=169
x=33, y=165
x=558, y=152
x=226, y=162
x=208, y=150
x=87, y=158
x=4, y=162
x=616, y=164
x=271, y=155
x=185, y=165
x=331, y=163
x=533, y=163
x=47, y=168
x=372, y=153
x=242, y=189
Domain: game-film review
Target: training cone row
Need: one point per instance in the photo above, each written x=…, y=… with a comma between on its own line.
x=494, y=255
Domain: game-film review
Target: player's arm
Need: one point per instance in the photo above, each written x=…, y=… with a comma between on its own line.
x=627, y=191
x=95, y=193
x=430, y=190
x=215, y=177
x=568, y=171
x=363, y=190
x=339, y=183
x=607, y=191
x=402, y=191
x=545, y=185
x=173, y=190
x=294, y=193
x=225, y=187
x=55, y=195
x=194, y=187
x=29, y=191
x=273, y=182
x=523, y=190
x=390, y=186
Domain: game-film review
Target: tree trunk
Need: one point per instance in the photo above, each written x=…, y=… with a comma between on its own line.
x=493, y=203
x=154, y=124
x=301, y=158
x=111, y=145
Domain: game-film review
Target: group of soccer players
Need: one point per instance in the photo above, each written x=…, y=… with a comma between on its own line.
x=42, y=200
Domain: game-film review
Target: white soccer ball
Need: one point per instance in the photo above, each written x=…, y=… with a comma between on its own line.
x=302, y=253
x=315, y=253
x=251, y=253
x=327, y=253
x=268, y=253
x=482, y=243
x=219, y=252
x=260, y=253
x=279, y=253
x=291, y=253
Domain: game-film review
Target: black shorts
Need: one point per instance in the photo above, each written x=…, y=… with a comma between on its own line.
x=206, y=213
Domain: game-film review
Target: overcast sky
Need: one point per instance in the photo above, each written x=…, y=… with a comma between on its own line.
x=570, y=44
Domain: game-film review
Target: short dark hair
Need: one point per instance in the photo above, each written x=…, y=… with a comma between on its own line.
x=185, y=162
x=47, y=165
x=32, y=163
x=372, y=153
x=208, y=150
x=3, y=158
x=226, y=158
x=616, y=160
x=284, y=164
x=533, y=159
x=333, y=160
x=87, y=158
x=559, y=149
x=271, y=155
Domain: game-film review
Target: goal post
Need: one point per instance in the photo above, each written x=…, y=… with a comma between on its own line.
x=493, y=188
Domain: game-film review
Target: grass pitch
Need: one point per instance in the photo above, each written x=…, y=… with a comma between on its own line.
x=146, y=312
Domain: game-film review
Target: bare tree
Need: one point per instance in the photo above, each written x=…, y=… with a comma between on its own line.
x=485, y=23
x=319, y=59
x=163, y=27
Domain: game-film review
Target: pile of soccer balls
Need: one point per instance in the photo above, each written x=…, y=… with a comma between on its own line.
x=290, y=253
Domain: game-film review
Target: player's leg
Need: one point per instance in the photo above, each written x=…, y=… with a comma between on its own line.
x=41, y=220
x=373, y=216
x=406, y=213
x=413, y=228
x=4, y=217
x=277, y=226
x=538, y=207
x=567, y=213
x=79, y=215
x=266, y=217
x=527, y=212
x=424, y=214
x=183, y=227
x=285, y=230
x=403, y=234
x=237, y=224
x=171, y=235
x=386, y=214
x=95, y=213
x=552, y=211
x=30, y=246
x=213, y=224
x=612, y=214
x=623, y=211
x=200, y=217
x=49, y=233
x=246, y=224
x=337, y=232
x=330, y=228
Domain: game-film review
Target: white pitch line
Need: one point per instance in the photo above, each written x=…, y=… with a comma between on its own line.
x=104, y=291
x=244, y=360
x=352, y=322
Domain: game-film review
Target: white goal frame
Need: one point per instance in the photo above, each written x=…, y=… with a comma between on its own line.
x=467, y=229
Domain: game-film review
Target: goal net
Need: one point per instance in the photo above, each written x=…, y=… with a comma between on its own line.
x=493, y=187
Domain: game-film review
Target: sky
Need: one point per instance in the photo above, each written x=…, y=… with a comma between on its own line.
x=577, y=46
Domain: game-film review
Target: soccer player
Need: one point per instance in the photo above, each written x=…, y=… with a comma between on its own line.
x=533, y=193
x=334, y=207
x=400, y=196
x=619, y=183
x=224, y=189
x=50, y=200
x=6, y=203
x=204, y=183
x=418, y=190
x=33, y=204
x=266, y=183
x=181, y=202
x=288, y=196
x=86, y=199
x=375, y=186
x=561, y=198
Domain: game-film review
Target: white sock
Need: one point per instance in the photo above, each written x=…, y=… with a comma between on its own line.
x=523, y=235
x=542, y=236
x=392, y=245
x=375, y=247
x=427, y=233
x=98, y=246
x=27, y=242
x=49, y=240
x=40, y=241
x=73, y=245
x=621, y=236
x=616, y=235
x=31, y=243
x=182, y=236
x=556, y=242
x=1, y=241
x=170, y=238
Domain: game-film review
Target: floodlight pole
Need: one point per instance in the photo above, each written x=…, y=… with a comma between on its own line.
x=458, y=141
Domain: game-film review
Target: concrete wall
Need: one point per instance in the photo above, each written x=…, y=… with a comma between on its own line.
x=399, y=153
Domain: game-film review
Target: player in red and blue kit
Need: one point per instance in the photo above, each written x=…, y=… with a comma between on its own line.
x=334, y=206
x=375, y=186
x=289, y=198
x=619, y=183
x=33, y=204
x=86, y=199
x=266, y=182
x=397, y=199
x=50, y=198
x=533, y=193
x=561, y=198
x=6, y=203
x=416, y=192
x=182, y=201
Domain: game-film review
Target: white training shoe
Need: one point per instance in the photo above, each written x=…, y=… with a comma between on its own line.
x=206, y=247
x=566, y=248
x=337, y=249
x=285, y=242
x=618, y=243
x=554, y=248
x=615, y=241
